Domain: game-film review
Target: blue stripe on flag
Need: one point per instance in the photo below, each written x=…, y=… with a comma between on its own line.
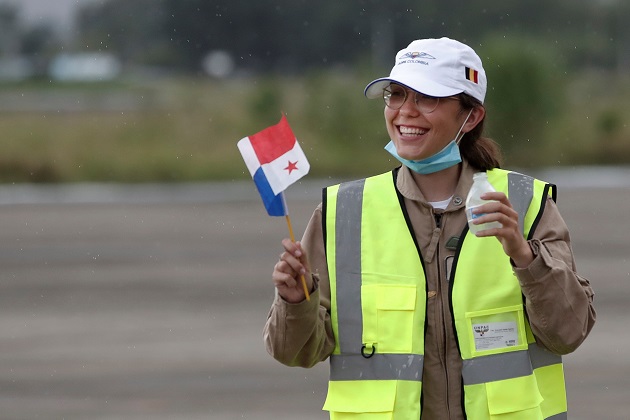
x=274, y=204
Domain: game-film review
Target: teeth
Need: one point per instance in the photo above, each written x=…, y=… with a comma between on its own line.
x=412, y=130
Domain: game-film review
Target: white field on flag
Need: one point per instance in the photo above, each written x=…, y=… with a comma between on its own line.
x=281, y=172
x=249, y=156
x=287, y=169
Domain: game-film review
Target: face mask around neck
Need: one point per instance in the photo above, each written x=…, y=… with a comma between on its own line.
x=445, y=158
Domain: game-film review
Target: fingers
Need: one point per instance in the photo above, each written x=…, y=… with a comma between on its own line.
x=283, y=275
x=290, y=266
x=294, y=256
x=290, y=271
x=500, y=210
x=294, y=248
x=497, y=209
x=491, y=213
x=497, y=202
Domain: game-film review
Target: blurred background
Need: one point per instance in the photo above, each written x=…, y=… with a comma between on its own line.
x=135, y=253
x=159, y=90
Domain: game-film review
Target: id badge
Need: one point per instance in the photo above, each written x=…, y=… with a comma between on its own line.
x=497, y=330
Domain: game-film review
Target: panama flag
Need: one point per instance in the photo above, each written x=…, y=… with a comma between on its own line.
x=275, y=160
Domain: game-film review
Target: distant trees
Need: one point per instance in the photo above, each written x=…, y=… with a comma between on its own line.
x=292, y=35
x=133, y=30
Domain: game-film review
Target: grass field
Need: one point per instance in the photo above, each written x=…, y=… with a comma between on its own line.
x=172, y=130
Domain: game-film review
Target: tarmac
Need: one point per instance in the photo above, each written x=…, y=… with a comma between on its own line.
x=148, y=302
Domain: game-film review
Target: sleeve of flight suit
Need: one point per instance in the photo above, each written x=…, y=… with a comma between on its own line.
x=301, y=334
x=559, y=302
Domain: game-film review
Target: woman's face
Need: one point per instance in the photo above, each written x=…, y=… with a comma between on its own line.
x=419, y=135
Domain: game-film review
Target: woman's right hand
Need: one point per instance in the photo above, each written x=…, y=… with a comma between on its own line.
x=288, y=271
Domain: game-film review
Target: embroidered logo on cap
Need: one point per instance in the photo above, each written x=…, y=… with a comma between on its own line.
x=415, y=58
x=415, y=55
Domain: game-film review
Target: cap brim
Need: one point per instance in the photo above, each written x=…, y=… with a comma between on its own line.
x=375, y=88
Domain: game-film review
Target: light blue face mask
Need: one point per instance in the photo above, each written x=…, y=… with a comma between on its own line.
x=445, y=158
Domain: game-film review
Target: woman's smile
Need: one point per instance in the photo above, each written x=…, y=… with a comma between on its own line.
x=410, y=131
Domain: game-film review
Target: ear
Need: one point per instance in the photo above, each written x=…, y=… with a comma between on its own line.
x=477, y=115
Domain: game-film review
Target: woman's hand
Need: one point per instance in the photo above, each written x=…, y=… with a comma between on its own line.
x=288, y=271
x=500, y=210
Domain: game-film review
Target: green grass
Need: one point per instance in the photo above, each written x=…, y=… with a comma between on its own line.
x=187, y=129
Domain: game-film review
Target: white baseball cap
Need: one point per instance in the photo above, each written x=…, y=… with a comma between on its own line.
x=436, y=67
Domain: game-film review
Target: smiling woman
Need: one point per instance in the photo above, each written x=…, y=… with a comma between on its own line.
x=414, y=310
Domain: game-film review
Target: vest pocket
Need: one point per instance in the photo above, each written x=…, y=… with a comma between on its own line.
x=514, y=399
x=388, y=317
x=373, y=400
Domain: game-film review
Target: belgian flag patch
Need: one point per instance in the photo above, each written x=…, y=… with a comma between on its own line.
x=472, y=75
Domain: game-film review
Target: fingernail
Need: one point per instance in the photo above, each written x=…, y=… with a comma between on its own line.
x=298, y=253
x=302, y=271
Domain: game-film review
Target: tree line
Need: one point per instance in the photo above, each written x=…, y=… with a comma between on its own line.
x=293, y=35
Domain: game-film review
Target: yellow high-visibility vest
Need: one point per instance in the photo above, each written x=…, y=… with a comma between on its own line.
x=378, y=310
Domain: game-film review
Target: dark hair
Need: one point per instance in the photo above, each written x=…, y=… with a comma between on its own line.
x=482, y=153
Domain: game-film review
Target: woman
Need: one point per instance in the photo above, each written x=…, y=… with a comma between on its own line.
x=419, y=317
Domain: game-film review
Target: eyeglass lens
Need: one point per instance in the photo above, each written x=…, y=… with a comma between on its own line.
x=396, y=95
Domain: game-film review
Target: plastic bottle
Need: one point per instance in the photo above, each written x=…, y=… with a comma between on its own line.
x=480, y=185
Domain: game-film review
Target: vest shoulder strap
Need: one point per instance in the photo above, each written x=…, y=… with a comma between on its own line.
x=521, y=190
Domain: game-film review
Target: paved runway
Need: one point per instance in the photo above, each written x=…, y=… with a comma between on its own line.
x=153, y=309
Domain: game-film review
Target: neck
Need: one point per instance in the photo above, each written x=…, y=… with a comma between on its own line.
x=440, y=185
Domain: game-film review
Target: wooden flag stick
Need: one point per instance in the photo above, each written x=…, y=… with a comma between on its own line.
x=308, y=296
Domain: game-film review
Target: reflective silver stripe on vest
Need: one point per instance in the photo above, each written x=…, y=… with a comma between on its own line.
x=521, y=193
x=350, y=364
x=352, y=367
x=348, y=265
x=497, y=367
x=542, y=357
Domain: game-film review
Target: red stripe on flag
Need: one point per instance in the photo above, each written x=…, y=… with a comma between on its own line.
x=272, y=142
x=476, y=76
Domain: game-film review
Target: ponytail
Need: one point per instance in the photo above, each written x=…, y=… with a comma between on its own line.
x=482, y=153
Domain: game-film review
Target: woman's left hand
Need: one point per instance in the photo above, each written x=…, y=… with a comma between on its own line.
x=499, y=209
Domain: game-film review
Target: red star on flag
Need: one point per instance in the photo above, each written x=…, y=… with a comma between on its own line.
x=292, y=166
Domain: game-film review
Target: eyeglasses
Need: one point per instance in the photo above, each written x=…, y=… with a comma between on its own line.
x=395, y=96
